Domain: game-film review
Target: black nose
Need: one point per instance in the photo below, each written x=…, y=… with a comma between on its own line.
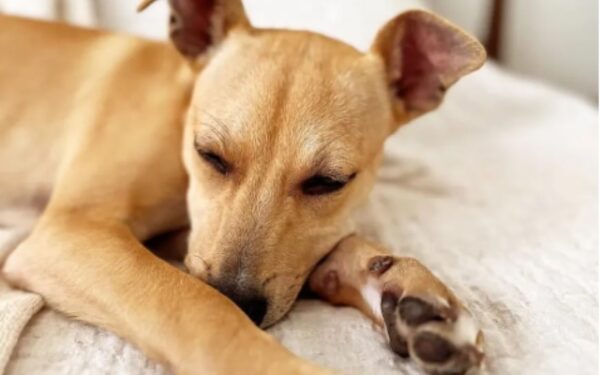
x=248, y=298
x=255, y=308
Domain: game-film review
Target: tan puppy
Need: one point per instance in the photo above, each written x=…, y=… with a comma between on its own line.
x=281, y=133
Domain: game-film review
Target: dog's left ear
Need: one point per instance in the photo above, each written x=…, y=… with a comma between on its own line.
x=197, y=25
x=423, y=56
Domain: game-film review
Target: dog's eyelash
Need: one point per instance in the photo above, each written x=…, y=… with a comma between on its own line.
x=319, y=184
x=215, y=161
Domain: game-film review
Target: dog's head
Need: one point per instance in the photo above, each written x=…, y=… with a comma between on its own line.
x=284, y=135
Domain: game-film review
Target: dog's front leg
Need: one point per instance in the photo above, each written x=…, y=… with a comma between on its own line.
x=97, y=271
x=422, y=317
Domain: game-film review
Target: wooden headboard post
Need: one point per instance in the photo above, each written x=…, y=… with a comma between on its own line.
x=494, y=37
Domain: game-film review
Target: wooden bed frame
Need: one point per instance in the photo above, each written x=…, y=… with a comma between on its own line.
x=494, y=36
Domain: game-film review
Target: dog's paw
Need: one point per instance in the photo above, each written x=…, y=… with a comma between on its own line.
x=442, y=339
x=423, y=319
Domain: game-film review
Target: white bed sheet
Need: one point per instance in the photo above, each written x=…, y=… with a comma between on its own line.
x=495, y=191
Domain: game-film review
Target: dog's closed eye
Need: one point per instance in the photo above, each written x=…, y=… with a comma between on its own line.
x=320, y=184
x=215, y=161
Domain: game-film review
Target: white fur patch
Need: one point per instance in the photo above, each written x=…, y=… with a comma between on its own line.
x=372, y=296
x=465, y=330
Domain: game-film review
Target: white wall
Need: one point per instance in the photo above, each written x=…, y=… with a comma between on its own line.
x=471, y=15
x=353, y=21
x=555, y=40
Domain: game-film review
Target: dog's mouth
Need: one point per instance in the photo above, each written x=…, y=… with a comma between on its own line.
x=264, y=298
x=266, y=305
x=298, y=288
x=280, y=307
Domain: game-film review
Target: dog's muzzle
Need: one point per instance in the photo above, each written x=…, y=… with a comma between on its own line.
x=251, y=301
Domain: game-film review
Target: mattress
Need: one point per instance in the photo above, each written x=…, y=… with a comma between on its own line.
x=495, y=192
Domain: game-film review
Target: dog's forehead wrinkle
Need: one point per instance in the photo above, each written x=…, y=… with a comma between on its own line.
x=210, y=129
x=331, y=160
x=323, y=145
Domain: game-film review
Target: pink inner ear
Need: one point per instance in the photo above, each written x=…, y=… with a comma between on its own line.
x=429, y=57
x=190, y=25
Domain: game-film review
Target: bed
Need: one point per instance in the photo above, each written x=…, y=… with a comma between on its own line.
x=496, y=192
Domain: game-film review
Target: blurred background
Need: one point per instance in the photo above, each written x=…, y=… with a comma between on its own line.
x=551, y=40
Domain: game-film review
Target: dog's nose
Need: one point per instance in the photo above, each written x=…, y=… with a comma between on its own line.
x=250, y=301
x=248, y=298
x=255, y=308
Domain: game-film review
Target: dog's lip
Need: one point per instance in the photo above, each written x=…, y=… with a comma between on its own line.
x=277, y=315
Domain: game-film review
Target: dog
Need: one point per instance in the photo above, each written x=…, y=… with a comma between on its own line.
x=262, y=142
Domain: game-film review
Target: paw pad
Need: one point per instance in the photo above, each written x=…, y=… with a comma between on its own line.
x=432, y=348
x=388, y=309
x=415, y=311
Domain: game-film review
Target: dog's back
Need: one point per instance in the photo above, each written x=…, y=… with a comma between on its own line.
x=56, y=78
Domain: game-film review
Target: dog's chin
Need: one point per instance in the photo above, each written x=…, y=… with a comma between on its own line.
x=277, y=311
x=271, y=321
x=274, y=317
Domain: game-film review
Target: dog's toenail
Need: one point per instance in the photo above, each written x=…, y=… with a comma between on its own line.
x=479, y=340
x=415, y=311
x=475, y=356
x=388, y=302
x=380, y=264
x=430, y=347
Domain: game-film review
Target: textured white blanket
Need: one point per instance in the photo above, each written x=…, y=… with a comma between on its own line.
x=495, y=191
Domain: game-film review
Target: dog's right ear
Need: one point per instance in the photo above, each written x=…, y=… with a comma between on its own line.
x=197, y=25
x=423, y=56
